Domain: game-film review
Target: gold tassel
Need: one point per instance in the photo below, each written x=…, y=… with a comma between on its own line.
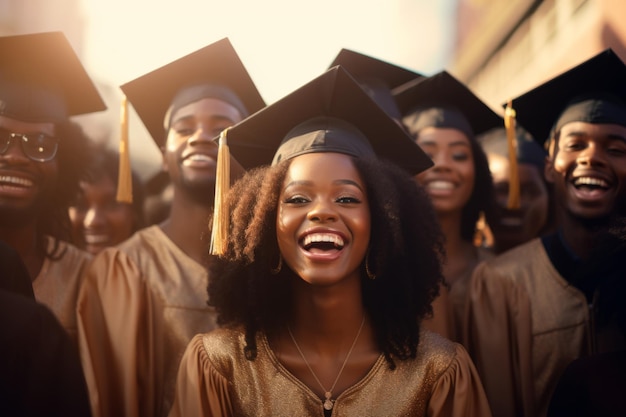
x=124, y=180
x=483, y=236
x=221, y=220
x=513, y=201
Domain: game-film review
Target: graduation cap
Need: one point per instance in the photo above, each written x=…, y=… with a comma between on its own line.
x=42, y=79
x=443, y=101
x=214, y=71
x=331, y=113
x=376, y=77
x=593, y=92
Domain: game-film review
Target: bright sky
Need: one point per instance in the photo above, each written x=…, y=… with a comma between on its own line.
x=282, y=43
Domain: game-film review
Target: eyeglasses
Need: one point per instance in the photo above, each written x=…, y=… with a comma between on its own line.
x=36, y=146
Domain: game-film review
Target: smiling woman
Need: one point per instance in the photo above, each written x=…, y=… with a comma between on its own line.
x=326, y=273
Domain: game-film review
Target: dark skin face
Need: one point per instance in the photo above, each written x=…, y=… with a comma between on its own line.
x=588, y=170
x=516, y=226
x=98, y=219
x=24, y=182
x=190, y=154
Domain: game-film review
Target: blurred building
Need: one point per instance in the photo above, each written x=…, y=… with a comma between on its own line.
x=506, y=47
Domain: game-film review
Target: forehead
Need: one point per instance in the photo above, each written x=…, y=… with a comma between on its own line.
x=594, y=130
x=442, y=136
x=208, y=108
x=18, y=126
x=322, y=166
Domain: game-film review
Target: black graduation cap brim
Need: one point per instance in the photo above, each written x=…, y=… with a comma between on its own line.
x=216, y=64
x=43, y=80
x=445, y=91
x=364, y=67
x=538, y=109
x=254, y=141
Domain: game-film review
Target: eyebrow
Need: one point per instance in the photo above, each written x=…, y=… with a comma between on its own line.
x=336, y=182
x=191, y=117
x=609, y=136
x=434, y=142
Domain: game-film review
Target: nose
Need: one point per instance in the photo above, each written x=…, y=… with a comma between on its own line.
x=592, y=155
x=322, y=211
x=203, y=135
x=94, y=218
x=441, y=161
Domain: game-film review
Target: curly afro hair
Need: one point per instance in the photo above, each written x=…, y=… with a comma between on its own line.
x=405, y=254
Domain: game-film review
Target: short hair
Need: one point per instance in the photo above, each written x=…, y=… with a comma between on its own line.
x=405, y=253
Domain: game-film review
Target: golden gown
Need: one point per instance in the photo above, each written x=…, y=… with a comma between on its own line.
x=449, y=307
x=216, y=380
x=139, y=307
x=525, y=324
x=58, y=283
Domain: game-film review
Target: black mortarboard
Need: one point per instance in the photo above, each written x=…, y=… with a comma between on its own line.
x=443, y=101
x=377, y=77
x=214, y=71
x=593, y=91
x=42, y=79
x=329, y=114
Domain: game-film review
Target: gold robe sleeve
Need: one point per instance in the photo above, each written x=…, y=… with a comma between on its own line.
x=498, y=336
x=200, y=389
x=458, y=392
x=116, y=337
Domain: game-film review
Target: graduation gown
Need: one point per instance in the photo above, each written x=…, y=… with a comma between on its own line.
x=216, y=380
x=525, y=324
x=40, y=373
x=140, y=305
x=449, y=307
x=59, y=281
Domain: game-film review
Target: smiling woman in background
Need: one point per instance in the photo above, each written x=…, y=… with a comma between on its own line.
x=98, y=219
x=443, y=116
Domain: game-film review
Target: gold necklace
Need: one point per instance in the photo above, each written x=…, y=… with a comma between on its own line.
x=328, y=394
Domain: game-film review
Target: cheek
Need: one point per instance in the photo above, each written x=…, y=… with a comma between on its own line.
x=76, y=217
x=285, y=228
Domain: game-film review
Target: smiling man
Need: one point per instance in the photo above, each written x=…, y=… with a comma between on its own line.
x=539, y=306
x=42, y=157
x=143, y=301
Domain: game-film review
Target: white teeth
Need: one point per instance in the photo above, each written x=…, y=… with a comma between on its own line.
x=95, y=239
x=323, y=237
x=16, y=180
x=590, y=181
x=440, y=185
x=200, y=157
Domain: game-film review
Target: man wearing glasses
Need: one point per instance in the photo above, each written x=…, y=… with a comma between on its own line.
x=42, y=157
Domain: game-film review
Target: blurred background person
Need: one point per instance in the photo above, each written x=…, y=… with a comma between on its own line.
x=444, y=117
x=98, y=219
x=43, y=156
x=510, y=226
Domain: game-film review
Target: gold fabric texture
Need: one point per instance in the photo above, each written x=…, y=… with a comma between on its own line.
x=59, y=281
x=525, y=324
x=139, y=307
x=215, y=379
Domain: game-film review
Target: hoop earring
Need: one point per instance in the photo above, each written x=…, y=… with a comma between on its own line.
x=279, y=267
x=368, y=271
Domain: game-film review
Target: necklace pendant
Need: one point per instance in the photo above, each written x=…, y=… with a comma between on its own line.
x=328, y=404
